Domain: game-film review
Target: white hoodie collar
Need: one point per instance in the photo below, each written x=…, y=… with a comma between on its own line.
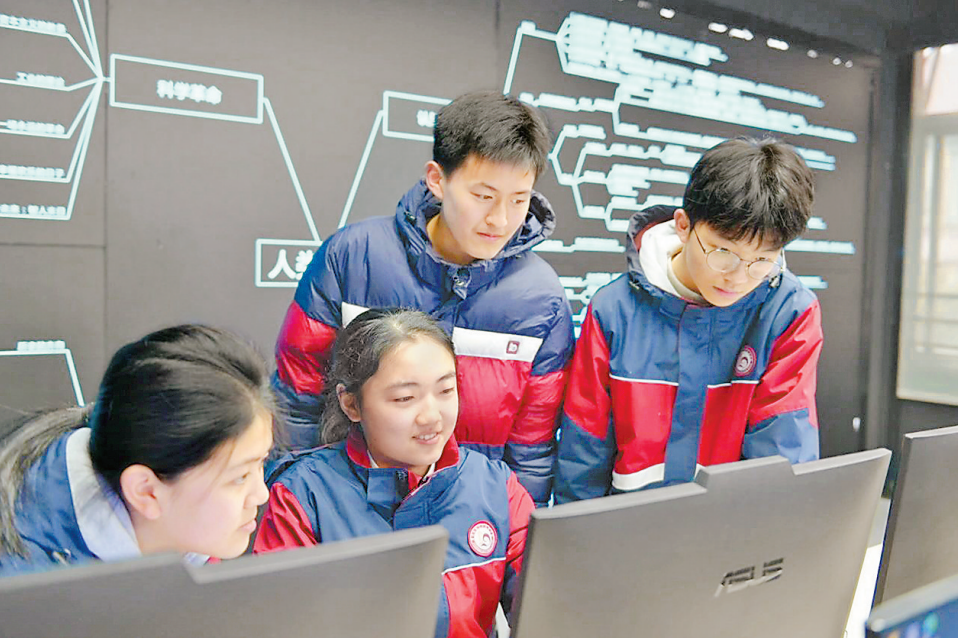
x=659, y=245
x=102, y=516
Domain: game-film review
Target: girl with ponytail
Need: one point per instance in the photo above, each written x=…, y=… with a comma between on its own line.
x=168, y=458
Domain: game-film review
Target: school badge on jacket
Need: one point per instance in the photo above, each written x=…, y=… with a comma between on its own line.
x=483, y=538
x=745, y=362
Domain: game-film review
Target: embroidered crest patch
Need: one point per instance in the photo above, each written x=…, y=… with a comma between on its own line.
x=483, y=538
x=745, y=362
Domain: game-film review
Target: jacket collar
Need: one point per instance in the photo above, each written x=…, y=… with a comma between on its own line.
x=643, y=220
x=419, y=205
x=358, y=452
x=387, y=488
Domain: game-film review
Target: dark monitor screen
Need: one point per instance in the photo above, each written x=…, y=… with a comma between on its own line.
x=928, y=612
x=750, y=549
x=385, y=585
x=920, y=543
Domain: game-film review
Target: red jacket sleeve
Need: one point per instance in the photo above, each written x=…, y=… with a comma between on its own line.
x=520, y=510
x=303, y=349
x=302, y=353
x=530, y=448
x=538, y=415
x=790, y=379
x=782, y=417
x=587, y=445
x=284, y=524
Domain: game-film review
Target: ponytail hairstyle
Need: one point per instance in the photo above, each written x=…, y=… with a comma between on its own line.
x=26, y=439
x=167, y=401
x=359, y=349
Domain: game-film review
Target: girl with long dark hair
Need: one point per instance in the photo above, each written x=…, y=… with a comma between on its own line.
x=168, y=458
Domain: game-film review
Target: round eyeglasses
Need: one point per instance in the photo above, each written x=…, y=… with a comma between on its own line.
x=725, y=261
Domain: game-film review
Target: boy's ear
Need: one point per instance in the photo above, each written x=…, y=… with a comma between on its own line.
x=683, y=225
x=142, y=491
x=434, y=178
x=349, y=404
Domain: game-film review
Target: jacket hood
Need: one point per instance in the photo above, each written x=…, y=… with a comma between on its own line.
x=419, y=205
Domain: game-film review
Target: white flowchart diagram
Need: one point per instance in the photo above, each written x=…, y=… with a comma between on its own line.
x=617, y=54
x=631, y=166
x=629, y=59
x=175, y=88
x=75, y=131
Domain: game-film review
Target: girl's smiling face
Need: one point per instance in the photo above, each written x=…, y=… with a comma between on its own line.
x=409, y=407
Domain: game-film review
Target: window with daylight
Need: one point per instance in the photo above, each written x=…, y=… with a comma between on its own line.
x=928, y=345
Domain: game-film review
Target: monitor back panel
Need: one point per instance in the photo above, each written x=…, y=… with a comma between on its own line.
x=920, y=541
x=375, y=586
x=750, y=549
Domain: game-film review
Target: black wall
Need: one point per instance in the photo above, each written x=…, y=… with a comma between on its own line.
x=169, y=209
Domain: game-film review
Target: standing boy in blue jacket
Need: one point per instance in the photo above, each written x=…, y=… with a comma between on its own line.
x=705, y=351
x=458, y=248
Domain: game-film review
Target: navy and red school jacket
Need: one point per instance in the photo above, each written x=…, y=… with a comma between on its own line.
x=332, y=494
x=509, y=318
x=659, y=385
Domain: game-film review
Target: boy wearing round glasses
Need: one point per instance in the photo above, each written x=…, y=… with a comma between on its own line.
x=705, y=351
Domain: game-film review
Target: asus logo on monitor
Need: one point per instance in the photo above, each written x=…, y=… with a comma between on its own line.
x=745, y=577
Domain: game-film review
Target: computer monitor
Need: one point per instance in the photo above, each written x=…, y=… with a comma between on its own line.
x=385, y=585
x=920, y=545
x=755, y=548
x=927, y=612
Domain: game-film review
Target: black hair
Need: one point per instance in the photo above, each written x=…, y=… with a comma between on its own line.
x=491, y=126
x=751, y=189
x=358, y=351
x=167, y=401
